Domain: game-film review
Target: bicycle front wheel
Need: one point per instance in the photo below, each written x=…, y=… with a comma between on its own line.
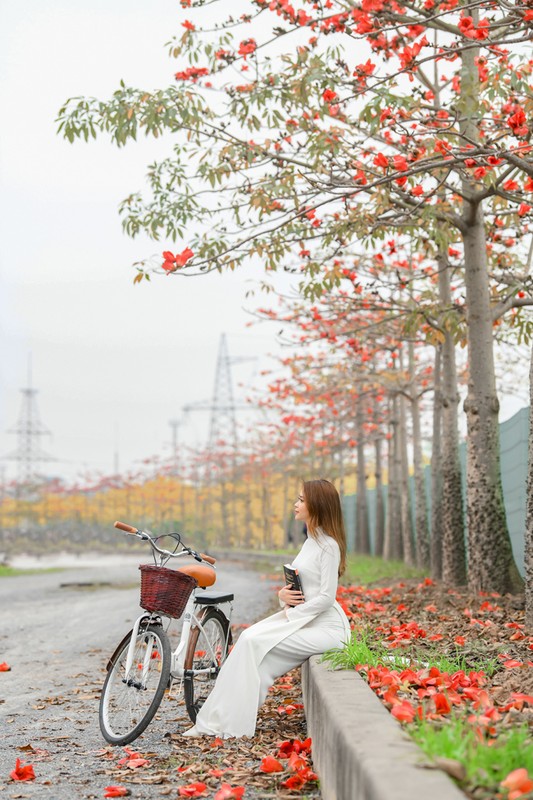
x=207, y=650
x=130, y=699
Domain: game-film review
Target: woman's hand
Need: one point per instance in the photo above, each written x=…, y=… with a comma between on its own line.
x=290, y=597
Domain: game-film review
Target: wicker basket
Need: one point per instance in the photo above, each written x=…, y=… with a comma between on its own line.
x=165, y=591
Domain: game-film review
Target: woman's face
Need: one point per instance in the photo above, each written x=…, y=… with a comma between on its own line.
x=300, y=509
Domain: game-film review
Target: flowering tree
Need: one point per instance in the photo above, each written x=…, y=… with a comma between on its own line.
x=305, y=129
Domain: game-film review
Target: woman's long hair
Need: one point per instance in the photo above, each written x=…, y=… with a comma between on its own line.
x=324, y=507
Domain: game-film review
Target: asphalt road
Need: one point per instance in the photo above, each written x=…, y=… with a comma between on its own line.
x=56, y=634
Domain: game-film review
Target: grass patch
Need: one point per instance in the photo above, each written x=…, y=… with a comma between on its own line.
x=485, y=766
x=365, y=647
x=460, y=661
x=11, y=572
x=364, y=570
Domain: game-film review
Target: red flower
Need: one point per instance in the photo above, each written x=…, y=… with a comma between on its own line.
x=296, y=762
x=227, y=792
x=518, y=122
x=271, y=764
x=404, y=712
x=442, y=704
x=381, y=160
x=115, y=791
x=329, y=96
x=188, y=25
x=467, y=27
x=184, y=256
x=4, y=667
x=294, y=746
x=304, y=19
x=193, y=790
x=512, y=663
x=303, y=776
x=400, y=163
x=22, y=772
x=518, y=782
x=191, y=74
x=132, y=760
x=173, y=262
x=247, y=46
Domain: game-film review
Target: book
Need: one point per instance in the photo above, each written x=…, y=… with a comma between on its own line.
x=292, y=579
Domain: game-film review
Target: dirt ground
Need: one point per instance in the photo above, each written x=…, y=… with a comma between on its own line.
x=56, y=632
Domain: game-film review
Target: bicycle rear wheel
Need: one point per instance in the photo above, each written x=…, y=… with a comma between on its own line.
x=129, y=700
x=207, y=650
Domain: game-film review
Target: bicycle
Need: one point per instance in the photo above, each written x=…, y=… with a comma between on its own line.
x=143, y=665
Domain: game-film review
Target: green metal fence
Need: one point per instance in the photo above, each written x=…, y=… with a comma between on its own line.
x=513, y=451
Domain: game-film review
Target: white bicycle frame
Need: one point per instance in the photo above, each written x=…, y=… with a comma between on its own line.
x=177, y=670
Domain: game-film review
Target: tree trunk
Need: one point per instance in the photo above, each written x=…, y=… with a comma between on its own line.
x=393, y=538
x=421, y=513
x=490, y=558
x=341, y=458
x=380, y=505
x=267, y=514
x=362, y=537
x=491, y=565
x=387, y=539
x=436, y=473
x=452, y=516
x=405, y=497
x=528, y=549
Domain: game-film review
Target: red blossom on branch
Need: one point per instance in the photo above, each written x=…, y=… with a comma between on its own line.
x=173, y=262
x=247, y=47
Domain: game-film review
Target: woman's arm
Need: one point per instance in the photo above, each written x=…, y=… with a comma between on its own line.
x=329, y=569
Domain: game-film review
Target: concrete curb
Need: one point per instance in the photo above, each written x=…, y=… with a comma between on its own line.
x=360, y=751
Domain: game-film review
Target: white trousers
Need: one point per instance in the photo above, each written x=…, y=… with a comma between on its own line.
x=291, y=652
x=243, y=682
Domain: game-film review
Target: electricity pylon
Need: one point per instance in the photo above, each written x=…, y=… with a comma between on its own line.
x=223, y=423
x=29, y=429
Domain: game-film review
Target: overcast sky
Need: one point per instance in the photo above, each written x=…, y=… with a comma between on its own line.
x=106, y=354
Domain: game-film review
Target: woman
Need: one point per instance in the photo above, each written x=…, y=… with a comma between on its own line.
x=305, y=625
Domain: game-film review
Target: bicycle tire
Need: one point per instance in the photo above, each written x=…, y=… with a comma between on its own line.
x=207, y=650
x=128, y=702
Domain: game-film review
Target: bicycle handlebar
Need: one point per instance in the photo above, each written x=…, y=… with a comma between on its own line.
x=123, y=526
